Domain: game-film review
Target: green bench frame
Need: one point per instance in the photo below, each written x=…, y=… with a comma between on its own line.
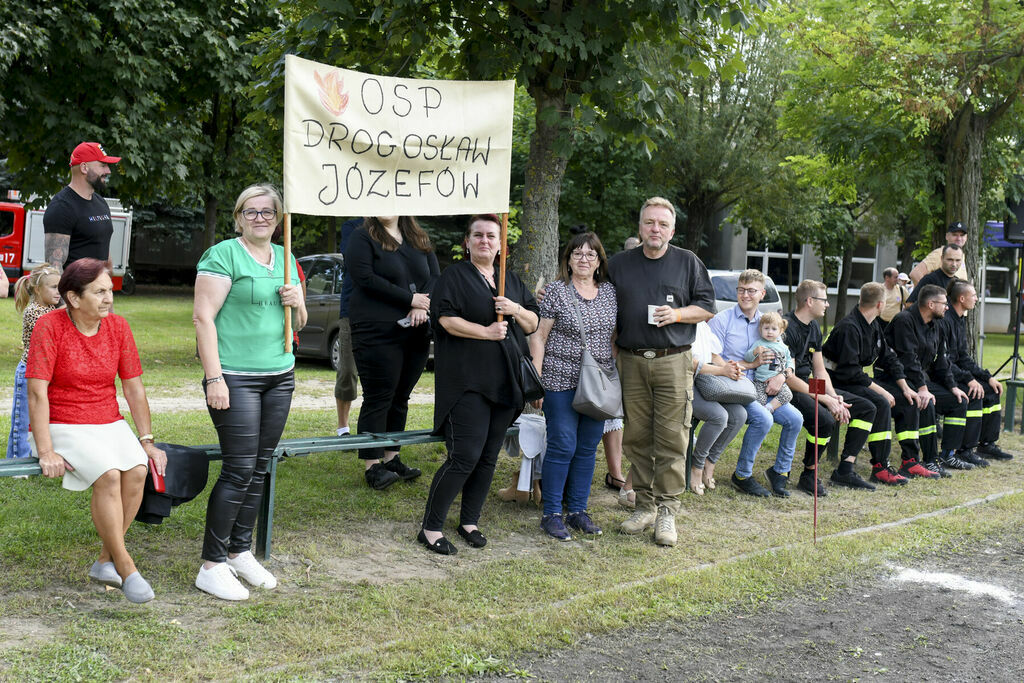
x=287, y=448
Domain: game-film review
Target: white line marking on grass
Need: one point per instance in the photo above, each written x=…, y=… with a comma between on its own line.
x=957, y=583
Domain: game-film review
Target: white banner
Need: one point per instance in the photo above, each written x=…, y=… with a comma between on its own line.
x=357, y=144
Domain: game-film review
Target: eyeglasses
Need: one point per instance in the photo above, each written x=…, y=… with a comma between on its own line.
x=820, y=298
x=265, y=214
x=584, y=255
x=750, y=291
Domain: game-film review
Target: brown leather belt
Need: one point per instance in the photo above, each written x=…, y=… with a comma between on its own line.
x=651, y=354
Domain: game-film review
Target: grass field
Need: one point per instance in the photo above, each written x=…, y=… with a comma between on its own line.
x=359, y=598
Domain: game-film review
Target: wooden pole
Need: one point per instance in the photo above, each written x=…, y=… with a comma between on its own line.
x=501, y=259
x=287, y=281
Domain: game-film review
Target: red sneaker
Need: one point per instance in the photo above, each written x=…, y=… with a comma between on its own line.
x=887, y=475
x=912, y=468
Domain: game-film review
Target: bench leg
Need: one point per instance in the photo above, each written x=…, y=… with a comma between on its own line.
x=265, y=523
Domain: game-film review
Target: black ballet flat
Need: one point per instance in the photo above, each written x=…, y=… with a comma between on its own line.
x=474, y=537
x=441, y=546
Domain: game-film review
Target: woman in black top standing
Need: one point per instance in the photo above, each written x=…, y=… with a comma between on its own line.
x=475, y=395
x=393, y=269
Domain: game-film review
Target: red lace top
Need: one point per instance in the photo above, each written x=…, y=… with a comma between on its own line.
x=81, y=370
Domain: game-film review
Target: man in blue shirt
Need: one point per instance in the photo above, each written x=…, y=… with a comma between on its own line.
x=737, y=328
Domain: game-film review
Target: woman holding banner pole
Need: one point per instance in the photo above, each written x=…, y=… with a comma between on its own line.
x=474, y=398
x=248, y=379
x=393, y=269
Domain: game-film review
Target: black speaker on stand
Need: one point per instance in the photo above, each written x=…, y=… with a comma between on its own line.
x=1013, y=231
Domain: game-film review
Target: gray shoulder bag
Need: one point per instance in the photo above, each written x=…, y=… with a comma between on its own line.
x=598, y=393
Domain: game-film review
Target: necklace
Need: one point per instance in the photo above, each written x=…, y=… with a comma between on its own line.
x=487, y=276
x=79, y=328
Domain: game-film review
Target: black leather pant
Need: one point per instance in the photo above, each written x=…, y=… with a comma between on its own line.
x=248, y=432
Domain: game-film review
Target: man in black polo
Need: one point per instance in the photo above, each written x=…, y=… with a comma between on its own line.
x=952, y=261
x=917, y=340
x=982, y=429
x=663, y=292
x=77, y=222
x=857, y=342
x=803, y=337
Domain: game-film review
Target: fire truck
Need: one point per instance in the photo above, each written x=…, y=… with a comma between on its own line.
x=21, y=239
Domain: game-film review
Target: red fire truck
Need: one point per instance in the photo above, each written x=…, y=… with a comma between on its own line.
x=21, y=238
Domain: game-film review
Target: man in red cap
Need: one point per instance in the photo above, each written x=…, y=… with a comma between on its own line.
x=77, y=221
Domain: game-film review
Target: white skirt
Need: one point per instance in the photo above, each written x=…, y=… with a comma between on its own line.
x=93, y=450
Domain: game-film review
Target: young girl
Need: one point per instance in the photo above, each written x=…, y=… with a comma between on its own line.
x=35, y=294
x=771, y=327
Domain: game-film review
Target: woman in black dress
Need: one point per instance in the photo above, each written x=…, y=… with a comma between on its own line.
x=476, y=397
x=393, y=269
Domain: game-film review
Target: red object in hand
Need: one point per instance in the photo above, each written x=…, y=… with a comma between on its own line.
x=158, y=479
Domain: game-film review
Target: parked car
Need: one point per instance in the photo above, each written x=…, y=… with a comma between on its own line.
x=319, y=338
x=725, y=283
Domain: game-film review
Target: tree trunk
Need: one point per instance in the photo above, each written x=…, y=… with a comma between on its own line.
x=210, y=204
x=331, y=238
x=964, y=140
x=536, y=253
x=844, y=282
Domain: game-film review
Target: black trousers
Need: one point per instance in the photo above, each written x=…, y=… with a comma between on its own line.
x=862, y=414
x=915, y=429
x=473, y=433
x=954, y=414
x=248, y=432
x=390, y=360
x=879, y=436
x=983, y=420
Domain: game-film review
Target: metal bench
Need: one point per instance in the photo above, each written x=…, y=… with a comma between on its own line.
x=287, y=448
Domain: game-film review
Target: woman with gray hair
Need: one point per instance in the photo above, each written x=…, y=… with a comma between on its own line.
x=248, y=380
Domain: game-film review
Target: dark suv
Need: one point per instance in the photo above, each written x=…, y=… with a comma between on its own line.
x=319, y=338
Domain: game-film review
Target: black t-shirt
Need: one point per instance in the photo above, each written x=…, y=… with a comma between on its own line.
x=641, y=282
x=936, y=277
x=803, y=342
x=86, y=221
x=462, y=365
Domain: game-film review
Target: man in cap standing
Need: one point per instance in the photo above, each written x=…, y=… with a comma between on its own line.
x=77, y=222
x=956, y=234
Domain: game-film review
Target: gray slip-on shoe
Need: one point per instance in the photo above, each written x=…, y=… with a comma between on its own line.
x=136, y=589
x=105, y=573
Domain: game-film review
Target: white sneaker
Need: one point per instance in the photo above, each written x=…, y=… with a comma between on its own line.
x=249, y=568
x=220, y=582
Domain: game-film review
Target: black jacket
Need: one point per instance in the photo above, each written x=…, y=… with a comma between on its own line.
x=920, y=348
x=958, y=354
x=187, y=472
x=855, y=344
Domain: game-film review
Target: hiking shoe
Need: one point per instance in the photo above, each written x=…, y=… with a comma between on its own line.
x=404, y=472
x=851, y=480
x=555, y=527
x=912, y=468
x=665, y=527
x=936, y=466
x=806, y=484
x=638, y=522
x=380, y=477
x=778, y=482
x=249, y=568
x=887, y=475
x=105, y=573
x=581, y=522
x=950, y=461
x=968, y=455
x=220, y=582
x=750, y=486
x=993, y=452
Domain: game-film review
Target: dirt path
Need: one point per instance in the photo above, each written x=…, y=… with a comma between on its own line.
x=954, y=616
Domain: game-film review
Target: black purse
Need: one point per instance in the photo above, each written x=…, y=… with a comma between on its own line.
x=524, y=374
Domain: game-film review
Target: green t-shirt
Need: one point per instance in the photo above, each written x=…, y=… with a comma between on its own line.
x=250, y=324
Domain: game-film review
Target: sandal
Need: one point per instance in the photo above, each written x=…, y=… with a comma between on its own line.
x=610, y=482
x=627, y=498
x=709, y=476
x=697, y=480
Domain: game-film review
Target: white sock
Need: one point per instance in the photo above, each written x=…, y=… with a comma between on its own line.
x=342, y=431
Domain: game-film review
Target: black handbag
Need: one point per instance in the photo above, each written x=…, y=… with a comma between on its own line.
x=524, y=374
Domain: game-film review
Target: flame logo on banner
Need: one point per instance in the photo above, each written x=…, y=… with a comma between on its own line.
x=332, y=93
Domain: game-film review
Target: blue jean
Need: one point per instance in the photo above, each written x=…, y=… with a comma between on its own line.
x=17, y=441
x=569, y=459
x=759, y=422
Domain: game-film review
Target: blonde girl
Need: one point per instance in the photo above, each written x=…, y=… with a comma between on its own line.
x=34, y=295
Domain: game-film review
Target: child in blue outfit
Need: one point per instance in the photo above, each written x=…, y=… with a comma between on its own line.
x=771, y=327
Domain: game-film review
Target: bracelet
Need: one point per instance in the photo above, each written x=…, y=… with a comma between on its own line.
x=146, y=437
x=218, y=378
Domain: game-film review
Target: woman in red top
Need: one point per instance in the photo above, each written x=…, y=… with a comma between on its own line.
x=77, y=429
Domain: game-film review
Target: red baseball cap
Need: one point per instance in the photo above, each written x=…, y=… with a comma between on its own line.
x=91, y=151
